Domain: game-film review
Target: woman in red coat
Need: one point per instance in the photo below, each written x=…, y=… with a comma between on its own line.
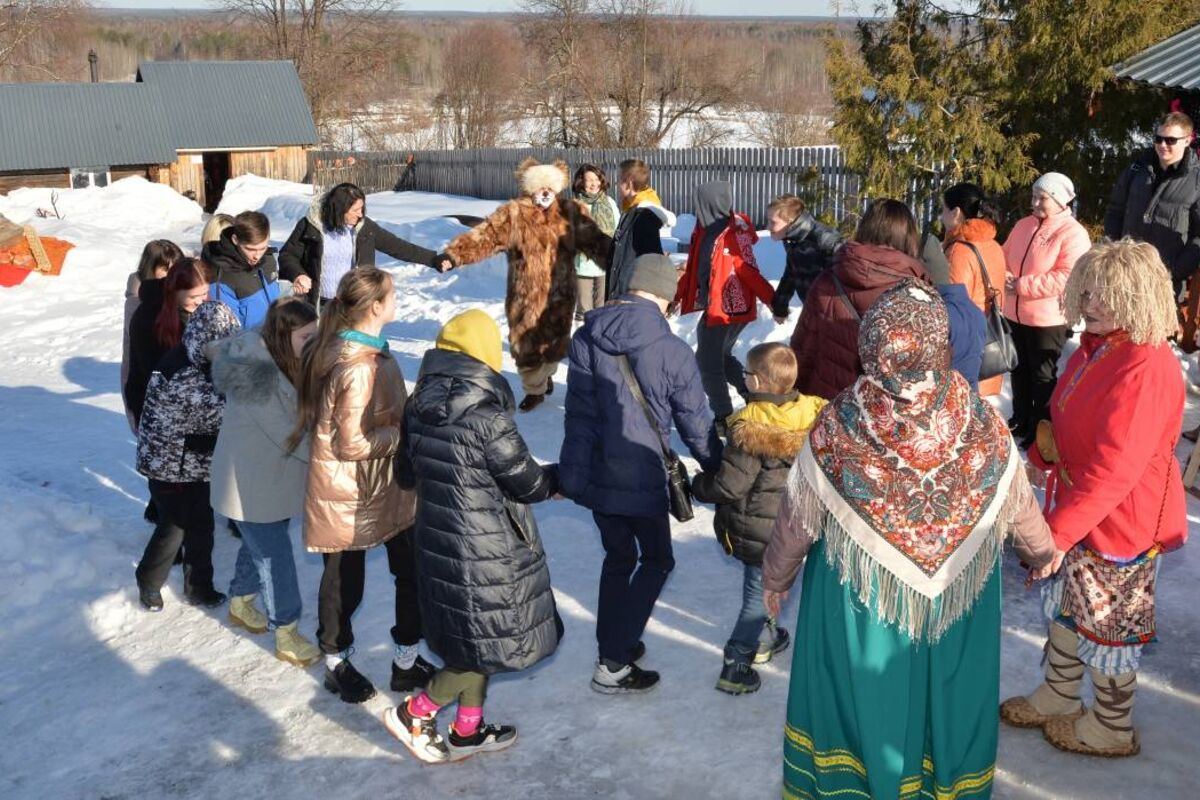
x=1118, y=497
x=722, y=281
x=883, y=253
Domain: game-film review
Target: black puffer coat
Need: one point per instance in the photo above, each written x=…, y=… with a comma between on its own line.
x=483, y=583
x=809, y=246
x=749, y=485
x=1162, y=208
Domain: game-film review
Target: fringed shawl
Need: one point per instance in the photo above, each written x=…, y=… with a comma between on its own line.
x=907, y=475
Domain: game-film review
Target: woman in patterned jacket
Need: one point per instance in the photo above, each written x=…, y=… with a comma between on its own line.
x=177, y=432
x=1109, y=449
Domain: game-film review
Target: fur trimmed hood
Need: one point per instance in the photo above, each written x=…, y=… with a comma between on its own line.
x=314, y=215
x=774, y=426
x=244, y=370
x=533, y=175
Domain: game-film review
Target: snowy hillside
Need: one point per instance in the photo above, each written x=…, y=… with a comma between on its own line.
x=99, y=699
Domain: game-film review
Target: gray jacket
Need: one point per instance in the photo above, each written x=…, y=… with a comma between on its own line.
x=254, y=478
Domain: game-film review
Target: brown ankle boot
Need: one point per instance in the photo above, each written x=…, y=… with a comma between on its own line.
x=1058, y=696
x=1107, y=728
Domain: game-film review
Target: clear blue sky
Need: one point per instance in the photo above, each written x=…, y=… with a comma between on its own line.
x=763, y=8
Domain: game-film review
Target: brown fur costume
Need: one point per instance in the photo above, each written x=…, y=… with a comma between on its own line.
x=541, y=247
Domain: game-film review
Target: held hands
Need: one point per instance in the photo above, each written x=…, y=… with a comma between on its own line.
x=443, y=262
x=1041, y=573
x=773, y=601
x=1010, y=283
x=302, y=284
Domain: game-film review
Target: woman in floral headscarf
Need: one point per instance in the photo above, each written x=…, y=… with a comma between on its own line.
x=902, y=497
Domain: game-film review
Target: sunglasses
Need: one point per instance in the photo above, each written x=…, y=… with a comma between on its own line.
x=1170, y=141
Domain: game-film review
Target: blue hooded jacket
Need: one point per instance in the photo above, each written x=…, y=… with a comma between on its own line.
x=968, y=328
x=611, y=460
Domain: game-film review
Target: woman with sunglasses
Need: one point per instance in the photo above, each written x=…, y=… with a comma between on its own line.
x=1157, y=199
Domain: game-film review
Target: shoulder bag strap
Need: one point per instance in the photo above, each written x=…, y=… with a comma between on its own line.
x=841, y=290
x=987, y=282
x=632, y=382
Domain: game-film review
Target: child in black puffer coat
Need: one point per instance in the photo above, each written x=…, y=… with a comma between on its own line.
x=484, y=587
x=764, y=439
x=177, y=432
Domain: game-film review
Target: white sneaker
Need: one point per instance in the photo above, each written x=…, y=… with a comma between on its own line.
x=418, y=734
x=629, y=679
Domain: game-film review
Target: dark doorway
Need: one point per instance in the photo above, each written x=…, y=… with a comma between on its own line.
x=216, y=175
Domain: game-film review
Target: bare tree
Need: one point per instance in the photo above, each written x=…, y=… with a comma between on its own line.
x=26, y=26
x=333, y=43
x=480, y=77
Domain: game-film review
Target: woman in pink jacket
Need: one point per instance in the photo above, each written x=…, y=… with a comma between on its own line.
x=1040, y=252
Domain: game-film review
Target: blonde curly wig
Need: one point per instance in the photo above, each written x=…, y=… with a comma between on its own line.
x=1131, y=280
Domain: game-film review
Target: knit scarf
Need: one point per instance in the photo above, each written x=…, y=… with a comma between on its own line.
x=600, y=209
x=647, y=195
x=909, y=471
x=358, y=337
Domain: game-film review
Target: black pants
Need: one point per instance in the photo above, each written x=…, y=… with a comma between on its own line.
x=637, y=561
x=1036, y=375
x=718, y=366
x=184, y=518
x=341, y=593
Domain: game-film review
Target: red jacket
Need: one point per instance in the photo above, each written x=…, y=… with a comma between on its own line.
x=826, y=336
x=734, y=280
x=1117, y=412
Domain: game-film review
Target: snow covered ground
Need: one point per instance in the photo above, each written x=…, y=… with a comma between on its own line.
x=101, y=700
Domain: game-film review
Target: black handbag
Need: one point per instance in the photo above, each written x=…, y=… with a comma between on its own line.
x=679, y=488
x=999, y=352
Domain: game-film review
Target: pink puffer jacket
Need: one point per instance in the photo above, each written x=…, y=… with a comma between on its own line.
x=1040, y=254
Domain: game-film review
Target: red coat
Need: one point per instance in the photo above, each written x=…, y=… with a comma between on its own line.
x=734, y=280
x=1117, y=412
x=826, y=336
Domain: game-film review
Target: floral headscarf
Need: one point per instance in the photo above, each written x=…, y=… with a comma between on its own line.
x=913, y=467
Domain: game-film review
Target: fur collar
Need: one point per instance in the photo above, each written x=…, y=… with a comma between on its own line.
x=765, y=440
x=314, y=217
x=774, y=426
x=244, y=370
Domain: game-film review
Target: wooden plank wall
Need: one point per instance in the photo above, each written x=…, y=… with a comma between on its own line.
x=281, y=163
x=186, y=174
x=53, y=179
x=818, y=174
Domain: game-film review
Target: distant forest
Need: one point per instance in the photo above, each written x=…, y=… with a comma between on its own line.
x=622, y=79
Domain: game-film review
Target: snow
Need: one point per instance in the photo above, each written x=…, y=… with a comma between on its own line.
x=100, y=699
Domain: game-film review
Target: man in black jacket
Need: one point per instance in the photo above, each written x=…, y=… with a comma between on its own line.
x=1157, y=199
x=809, y=246
x=638, y=231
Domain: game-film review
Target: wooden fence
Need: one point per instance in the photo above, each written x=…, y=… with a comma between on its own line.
x=818, y=174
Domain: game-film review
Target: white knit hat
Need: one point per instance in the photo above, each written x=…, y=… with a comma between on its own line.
x=543, y=176
x=1058, y=186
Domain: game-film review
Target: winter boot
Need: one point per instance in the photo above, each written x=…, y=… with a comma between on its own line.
x=1058, y=696
x=738, y=677
x=609, y=678
x=348, y=683
x=768, y=651
x=150, y=599
x=244, y=614
x=418, y=734
x=1107, y=728
x=207, y=597
x=292, y=647
x=415, y=677
x=485, y=739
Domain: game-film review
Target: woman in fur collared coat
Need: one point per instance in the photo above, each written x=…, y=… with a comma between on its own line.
x=542, y=232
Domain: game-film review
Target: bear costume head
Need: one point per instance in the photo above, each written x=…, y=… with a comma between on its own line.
x=542, y=182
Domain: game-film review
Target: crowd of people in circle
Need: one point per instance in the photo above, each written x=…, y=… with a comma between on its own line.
x=868, y=451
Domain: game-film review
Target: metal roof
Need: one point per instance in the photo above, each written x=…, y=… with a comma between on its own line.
x=62, y=125
x=230, y=104
x=1173, y=63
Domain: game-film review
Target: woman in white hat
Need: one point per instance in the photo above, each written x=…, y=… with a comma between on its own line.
x=1040, y=252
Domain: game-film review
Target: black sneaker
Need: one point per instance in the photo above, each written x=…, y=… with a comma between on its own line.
x=150, y=599
x=418, y=734
x=738, y=678
x=486, y=739
x=209, y=598
x=768, y=651
x=348, y=683
x=415, y=677
x=628, y=679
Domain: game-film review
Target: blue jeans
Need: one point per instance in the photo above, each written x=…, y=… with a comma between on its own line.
x=265, y=564
x=753, y=627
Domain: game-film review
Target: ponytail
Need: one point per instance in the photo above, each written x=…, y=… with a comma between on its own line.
x=974, y=204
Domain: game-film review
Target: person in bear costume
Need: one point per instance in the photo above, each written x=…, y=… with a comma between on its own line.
x=541, y=230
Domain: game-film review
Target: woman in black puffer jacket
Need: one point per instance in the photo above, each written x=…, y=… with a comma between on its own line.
x=483, y=583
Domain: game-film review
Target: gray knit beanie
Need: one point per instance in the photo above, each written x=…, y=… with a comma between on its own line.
x=655, y=274
x=1058, y=186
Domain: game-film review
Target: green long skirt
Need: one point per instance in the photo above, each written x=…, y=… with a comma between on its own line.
x=871, y=714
